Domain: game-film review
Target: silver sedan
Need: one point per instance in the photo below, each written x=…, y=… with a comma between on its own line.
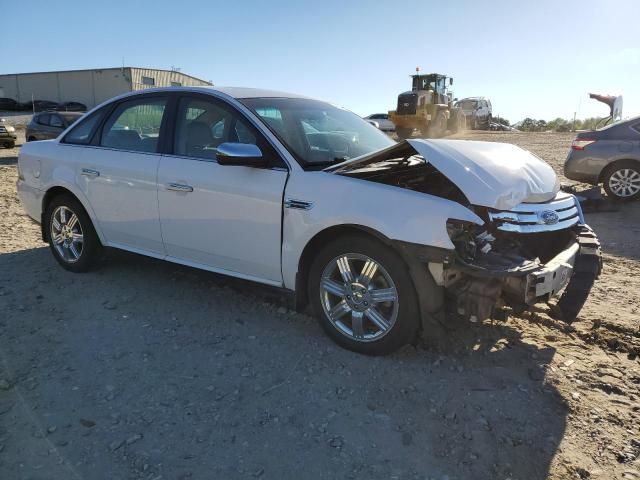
x=609, y=156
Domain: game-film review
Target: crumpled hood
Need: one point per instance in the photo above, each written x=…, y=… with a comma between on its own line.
x=490, y=174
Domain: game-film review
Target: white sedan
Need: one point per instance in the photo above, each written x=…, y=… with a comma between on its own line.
x=385, y=240
x=381, y=121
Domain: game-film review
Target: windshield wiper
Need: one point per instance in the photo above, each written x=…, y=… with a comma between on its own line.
x=328, y=163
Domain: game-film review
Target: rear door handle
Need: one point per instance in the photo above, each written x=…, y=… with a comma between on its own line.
x=179, y=187
x=87, y=172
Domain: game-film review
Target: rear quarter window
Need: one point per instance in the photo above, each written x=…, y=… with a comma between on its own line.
x=83, y=132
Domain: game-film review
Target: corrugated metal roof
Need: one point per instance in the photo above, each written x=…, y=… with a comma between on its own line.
x=109, y=68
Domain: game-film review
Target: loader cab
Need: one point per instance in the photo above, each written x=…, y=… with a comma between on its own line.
x=432, y=81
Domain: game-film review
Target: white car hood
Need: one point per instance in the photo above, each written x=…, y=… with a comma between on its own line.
x=490, y=174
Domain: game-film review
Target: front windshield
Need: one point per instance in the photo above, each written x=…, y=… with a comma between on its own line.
x=468, y=104
x=318, y=134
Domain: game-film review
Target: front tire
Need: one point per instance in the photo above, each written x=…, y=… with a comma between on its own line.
x=622, y=180
x=71, y=236
x=363, y=296
x=439, y=126
x=403, y=133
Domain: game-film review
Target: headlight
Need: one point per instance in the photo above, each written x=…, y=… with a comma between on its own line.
x=10, y=128
x=469, y=239
x=458, y=228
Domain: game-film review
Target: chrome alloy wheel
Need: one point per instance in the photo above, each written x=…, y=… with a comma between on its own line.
x=359, y=297
x=66, y=234
x=625, y=182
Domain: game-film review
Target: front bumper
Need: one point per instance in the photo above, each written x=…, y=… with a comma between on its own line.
x=7, y=137
x=570, y=274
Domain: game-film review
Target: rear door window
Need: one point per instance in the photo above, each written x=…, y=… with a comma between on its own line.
x=135, y=125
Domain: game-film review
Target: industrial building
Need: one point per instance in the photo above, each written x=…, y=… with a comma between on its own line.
x=90, y=87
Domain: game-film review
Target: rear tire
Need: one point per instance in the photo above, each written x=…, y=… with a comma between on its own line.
x=622, y=180
x=71, y=236
x=363, y=296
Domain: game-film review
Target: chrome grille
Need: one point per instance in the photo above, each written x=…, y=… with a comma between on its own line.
x=558, y=214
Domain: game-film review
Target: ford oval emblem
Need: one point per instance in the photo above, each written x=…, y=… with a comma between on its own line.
x=549, y=217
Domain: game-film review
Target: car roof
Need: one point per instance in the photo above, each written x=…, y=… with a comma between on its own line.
x=622, y=123
x=631, y=119
x=234, y=92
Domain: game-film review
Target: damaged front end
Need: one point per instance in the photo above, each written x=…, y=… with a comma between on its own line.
x=530, y=243
x=529, y=254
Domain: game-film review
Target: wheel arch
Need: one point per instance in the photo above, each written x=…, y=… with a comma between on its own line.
x=422, y=279
x=316, y=243
x=611, y=165
x=57, y=190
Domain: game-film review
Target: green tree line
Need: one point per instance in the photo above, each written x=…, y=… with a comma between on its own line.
x=558, y=124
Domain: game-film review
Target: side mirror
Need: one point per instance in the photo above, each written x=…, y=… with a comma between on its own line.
x=243, y=154
x=450, y=81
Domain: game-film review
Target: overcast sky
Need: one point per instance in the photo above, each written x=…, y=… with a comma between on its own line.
x=538, y=59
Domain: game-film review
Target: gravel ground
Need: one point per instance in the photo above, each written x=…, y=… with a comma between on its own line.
x=17, y=119
x=148, y=370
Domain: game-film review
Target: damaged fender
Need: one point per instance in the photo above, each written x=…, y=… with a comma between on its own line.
x=334, y=200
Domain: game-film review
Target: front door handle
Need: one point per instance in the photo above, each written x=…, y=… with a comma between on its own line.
x=179, y=187
x=87, y=172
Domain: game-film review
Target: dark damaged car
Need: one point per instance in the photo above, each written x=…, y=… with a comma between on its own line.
x=385, y=240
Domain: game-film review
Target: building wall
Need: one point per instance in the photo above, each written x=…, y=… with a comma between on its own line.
x=74, y=85
x=162, y=78
x=109, y=83
x=90, y=87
